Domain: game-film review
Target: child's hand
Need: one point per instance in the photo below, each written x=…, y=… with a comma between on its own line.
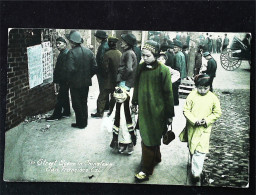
x=197, y=123
x=203, y=123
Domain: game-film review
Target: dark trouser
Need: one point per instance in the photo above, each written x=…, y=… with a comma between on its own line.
x=218, y=48
x=101, y=88
x=102, y=100
x=196, y=71
x=211, y=81
x=79, y=103
x=126, y=112
x=224, y=47
x=175, y=89
x=62, y=101
x=150, y=157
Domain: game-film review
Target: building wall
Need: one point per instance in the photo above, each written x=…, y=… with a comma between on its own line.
x=21, y=101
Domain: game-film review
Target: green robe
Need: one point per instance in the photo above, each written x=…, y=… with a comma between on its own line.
x=154, y=96
x=196, y=108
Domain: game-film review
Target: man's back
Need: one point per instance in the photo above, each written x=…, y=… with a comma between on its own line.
x=81, y=66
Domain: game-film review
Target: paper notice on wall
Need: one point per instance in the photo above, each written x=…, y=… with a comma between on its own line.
x=35, y=66
x=47, y=60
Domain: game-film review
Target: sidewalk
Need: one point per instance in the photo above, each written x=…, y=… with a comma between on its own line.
x=65, y=154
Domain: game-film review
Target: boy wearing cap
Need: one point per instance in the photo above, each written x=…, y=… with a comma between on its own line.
x=109, y=67
x=211, y=67
x=202, y=109
x=60, y=79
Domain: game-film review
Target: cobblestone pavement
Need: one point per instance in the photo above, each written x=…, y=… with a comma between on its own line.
x=227, y=164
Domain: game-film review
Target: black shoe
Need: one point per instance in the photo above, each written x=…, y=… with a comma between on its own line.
x=122, y=148
x=78, y=126
x=130, y=148
x=52, y=118
x=114, y=144
x=97, y=115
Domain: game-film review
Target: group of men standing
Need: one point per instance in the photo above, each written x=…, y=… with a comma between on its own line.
x=216, y=45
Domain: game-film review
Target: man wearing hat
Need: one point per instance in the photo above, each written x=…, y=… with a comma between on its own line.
x=198, y=60
x=225, y=43
x=180, y=65
x=101, y=38
x=60, y=79
x=170, y=54
x=81, y=66
x=110, y=64
x=211, y=67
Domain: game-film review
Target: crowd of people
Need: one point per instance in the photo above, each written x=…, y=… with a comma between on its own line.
x=154, y=73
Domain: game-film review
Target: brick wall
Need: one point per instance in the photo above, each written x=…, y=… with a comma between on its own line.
x=21, y=101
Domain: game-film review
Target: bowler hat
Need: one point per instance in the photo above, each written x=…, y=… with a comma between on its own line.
x=185, y=46
x=101, y=34
x=129, y=39
x=164, y=47
x=74, y=36
x=112, y=39
x=177, y=43
x=207, y=53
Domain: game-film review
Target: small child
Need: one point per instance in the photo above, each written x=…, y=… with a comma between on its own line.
x=202, y=109
x=175, y=74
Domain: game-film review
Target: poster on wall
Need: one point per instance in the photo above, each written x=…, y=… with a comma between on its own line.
x=35, y=66
x=47, y=60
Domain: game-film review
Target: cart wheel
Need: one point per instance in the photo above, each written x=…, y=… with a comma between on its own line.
x=227, y=62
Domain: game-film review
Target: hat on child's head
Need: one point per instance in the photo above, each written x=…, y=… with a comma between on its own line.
x=152, y=46
x=202, y=80
x=61, y=39
x=207, y=53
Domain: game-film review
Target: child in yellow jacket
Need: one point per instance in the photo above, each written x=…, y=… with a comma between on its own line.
x=202, y=109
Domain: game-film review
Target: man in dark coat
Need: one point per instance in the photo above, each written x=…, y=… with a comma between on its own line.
x=111, y=61
x=219, y=43
x=210, y=43
x=180, y=65
x=185, y=52
x=170, y=55
x=225, y=43
x=60, y=79
x=214, y=45
x=198, y=60
x=211, y=67
x=137, y=51
x=101, y=37
x=81, y=66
